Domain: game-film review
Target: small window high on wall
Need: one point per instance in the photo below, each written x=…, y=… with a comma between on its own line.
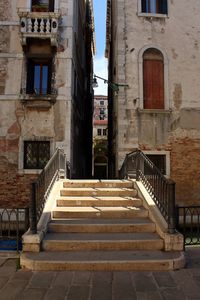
x=42, y=5
x=153, y=79
x=154, y=6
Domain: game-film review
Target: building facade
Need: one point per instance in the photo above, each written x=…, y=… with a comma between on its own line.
x=153, y=47
x=45, y=92
x=100, y=135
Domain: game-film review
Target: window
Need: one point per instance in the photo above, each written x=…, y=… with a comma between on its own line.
x=42, y=5
x=154, y=6
x=104, y=132
x=159, y=161
x=36, y=154
x=101, y=102
x=39, y=76
x=98, y=131
x=153, y=79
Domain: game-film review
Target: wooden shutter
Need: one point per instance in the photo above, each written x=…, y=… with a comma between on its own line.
x=153, y=84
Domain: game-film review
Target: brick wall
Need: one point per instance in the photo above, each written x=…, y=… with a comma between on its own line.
x=185, y=170
x=14, y=188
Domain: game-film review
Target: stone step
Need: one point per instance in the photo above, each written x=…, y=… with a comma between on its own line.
x=103, y=261
x=98, y=183
x=101, y=241
x=94, y=192
x=99, y=212
x=98, y=201
x=102, y=225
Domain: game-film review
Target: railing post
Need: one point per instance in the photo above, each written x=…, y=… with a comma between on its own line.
x=33, y=210
x=138, y=166
x=171, y=207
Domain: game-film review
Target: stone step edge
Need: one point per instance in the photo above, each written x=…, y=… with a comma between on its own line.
x=107, y=265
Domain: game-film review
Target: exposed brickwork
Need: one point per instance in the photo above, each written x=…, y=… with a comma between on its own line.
x=185, y=170
x=14, y=188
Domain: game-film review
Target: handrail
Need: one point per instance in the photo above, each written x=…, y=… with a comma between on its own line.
x=57, y=167
x=161, y=189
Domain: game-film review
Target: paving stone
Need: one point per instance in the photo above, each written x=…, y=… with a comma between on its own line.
x=186, y=283
x=6, y=271
x=79, y=292
x=3, y=281
x=102, y=277
x=56, y=293
x=144, y=282
x=101, y=291
x=23, y=275
x=13, y=290
x=173, y=294
x=82, y=278
x=149, y=296
x=63, y=279
x=123, y=287
x=42, y=279
x=164, y=279
x=33, y=294
x=2, y=261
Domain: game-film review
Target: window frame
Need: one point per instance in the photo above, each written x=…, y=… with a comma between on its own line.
x=50, y=7
x=149, y=14
x=167, y=103
x=37, y=166
x=32, y=62
x=167, y=159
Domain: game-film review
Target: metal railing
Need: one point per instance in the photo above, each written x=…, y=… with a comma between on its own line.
x=188, y=223
x=56, y=168
x=13, y=223
x=138, y=165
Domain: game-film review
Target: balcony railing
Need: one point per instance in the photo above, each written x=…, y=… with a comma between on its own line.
x=39, y=25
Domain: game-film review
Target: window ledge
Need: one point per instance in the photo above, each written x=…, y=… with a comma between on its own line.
x=34, y=100
x=29, y=171
x=154, y=111
x=150, y=15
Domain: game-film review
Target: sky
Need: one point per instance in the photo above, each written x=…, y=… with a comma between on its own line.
x=100, y=62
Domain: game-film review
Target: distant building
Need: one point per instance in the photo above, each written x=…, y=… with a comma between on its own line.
x=153, y=46
x=100, y=130
x=46, y=97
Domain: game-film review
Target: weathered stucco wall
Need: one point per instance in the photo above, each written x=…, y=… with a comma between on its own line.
x=175, y=129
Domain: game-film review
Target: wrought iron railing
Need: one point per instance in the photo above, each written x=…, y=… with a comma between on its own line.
x=138, y=165
x=56, y=168
x=188, y=223
x=13, y=223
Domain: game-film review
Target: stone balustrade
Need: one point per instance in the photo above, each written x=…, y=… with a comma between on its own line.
x=39, y=25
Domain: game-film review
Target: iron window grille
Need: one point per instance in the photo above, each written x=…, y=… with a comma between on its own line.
x=36, y=154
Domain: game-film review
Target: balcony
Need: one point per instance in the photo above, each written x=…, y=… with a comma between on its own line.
x=42, y=25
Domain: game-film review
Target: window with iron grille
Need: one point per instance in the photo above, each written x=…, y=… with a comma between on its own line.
x=36, y=154
x=42, y=5
x=39, y=74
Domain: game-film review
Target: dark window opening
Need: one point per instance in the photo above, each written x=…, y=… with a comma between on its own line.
x=98, y=131
x=153, y=79
x=36, y=154
x=104, y=132
x=154, y=6
x=159, y=161
x=43, y=5
x=39, y=75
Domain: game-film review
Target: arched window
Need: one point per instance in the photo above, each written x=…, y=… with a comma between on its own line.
x=153, y=79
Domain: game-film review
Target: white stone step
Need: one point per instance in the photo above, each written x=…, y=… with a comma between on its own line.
x=98, y=201
x=95, y=192
x=101, y=241
x=99, y=212
x=103, y=261
x=98, y=183
x=102, y=225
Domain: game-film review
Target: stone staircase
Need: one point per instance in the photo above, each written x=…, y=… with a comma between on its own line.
x=100, y=225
